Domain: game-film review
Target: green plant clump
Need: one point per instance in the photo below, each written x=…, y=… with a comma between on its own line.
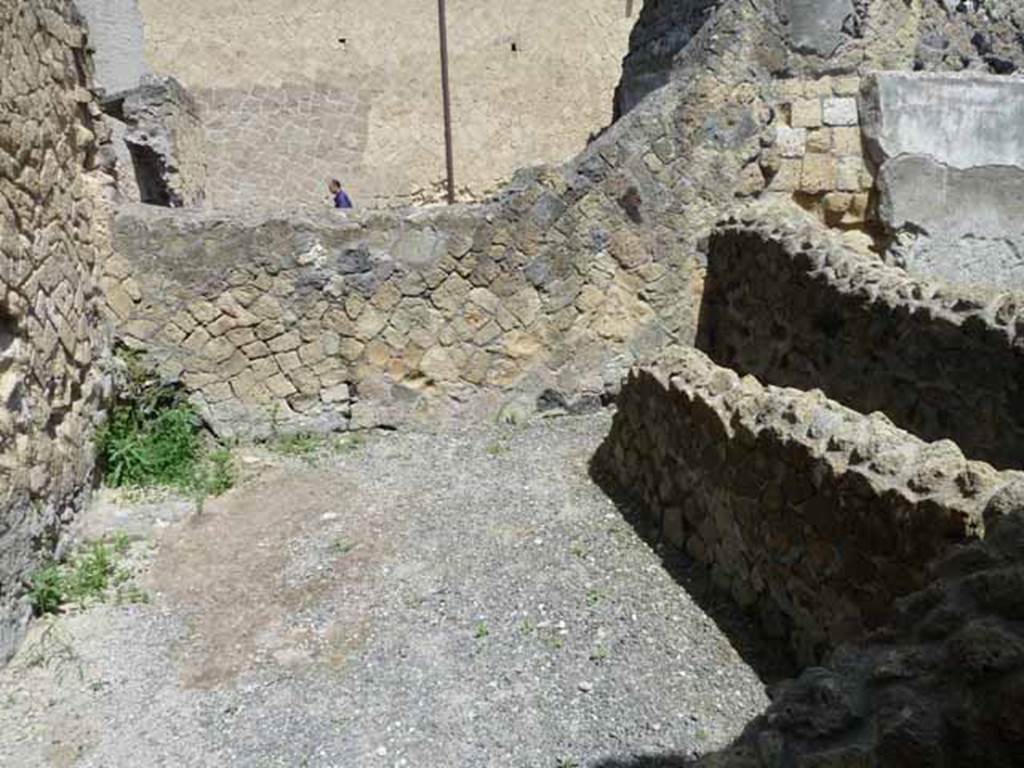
x=152, y=438
x=87, y=576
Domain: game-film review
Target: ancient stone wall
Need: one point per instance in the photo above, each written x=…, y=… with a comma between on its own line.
x=809, y=513
x=940, y=685
x=164, y=144
x=661, y=32
x=941, y=361
x=600, y=254
x=52, y=242
x=815, y=155
x=324, y=324
x=630, y=211
x=294, y=93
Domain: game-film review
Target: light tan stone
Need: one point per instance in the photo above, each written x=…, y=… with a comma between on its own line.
x=819, y=140
x=805, y=113
x=288, y=361
x=846, y=86
x=787, y=178
x=437, y=364
x=370, y=323
x=818, y=173
x=387, y=297
x=280, y=386
x=847, y=140
x=378, y=353
x=285, y=342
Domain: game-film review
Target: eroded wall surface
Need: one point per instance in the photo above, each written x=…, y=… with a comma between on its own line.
x=941, y=361
x=294, y=93
x=943, y=684
x=631, y=211
x=52, y=244
x=950, y=154
x=572, y=275
x=810, y=514
x=325, y=325
x=117, y=42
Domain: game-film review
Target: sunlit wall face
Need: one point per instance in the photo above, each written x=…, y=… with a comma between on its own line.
x=294, y=92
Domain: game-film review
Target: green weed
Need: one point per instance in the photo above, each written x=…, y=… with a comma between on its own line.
x=152, y=438
x=342, y=546
x=300, y=446
x=91, y=574
x=481, y=631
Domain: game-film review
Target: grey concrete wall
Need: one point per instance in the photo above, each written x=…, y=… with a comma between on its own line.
x=950, y=152
x=117, y=39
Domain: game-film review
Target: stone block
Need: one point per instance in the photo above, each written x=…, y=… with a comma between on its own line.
x=850, y=171
x=787, y=178
x=846, y=140
x=818, y=174
x=846, y=86
x=819, y=140
x=791, y=142
x=805, y=113
x=840, y=111
x=336, y=394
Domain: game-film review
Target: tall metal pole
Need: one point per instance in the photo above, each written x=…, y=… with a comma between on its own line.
x=445, y=92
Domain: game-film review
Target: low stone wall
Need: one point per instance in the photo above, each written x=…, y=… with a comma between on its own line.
x=941, y=685
x=53, y=240
x=940, y=361
x=813, y=515
x=335, y=322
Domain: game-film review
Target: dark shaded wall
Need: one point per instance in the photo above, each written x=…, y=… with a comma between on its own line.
x=795, y=309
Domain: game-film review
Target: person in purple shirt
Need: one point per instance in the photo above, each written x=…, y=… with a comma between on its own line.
x=341, y=199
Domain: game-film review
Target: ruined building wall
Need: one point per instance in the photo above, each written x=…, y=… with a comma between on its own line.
x=941, y=361
x=663, y=29
x=569, y=277
x=293, y=93
x=313, y=325
x=52, y=242
x=809, y=513
x=630, y=212
x=942, y=684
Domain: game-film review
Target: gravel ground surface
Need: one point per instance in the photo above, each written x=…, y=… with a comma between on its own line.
x=463, y=599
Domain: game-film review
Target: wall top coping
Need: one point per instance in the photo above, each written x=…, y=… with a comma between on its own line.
x=823, y=255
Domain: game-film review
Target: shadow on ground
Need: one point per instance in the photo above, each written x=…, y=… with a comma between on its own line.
x=646, y=761
x=770, y=658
